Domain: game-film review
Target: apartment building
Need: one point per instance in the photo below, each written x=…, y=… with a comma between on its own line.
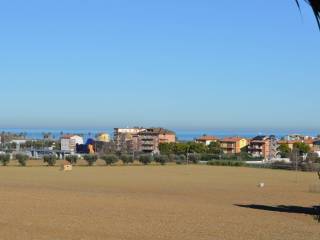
x=70, y=142
x=126, y=139
x=150, y=138
x=233, y=145
x=263, y=146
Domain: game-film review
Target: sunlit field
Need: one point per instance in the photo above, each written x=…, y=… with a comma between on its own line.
x=156, y=202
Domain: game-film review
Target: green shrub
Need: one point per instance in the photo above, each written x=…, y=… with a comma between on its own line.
x=110, y=159
x=50, y=160
x=4, y=159
x=226, y=163
x=126, y=159
x=209, y=157
x=172, y=157
x=145, y=159
x=90, y=158
x=72, y=159
x=162, y=159
x=194, y=158
x=22, y=159
x=181, y=159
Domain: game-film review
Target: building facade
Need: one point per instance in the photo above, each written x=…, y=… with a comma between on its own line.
x=233, y=145
x=70, y=142
x=126, y=139
x=264, y=147
x=206, y=139
x=150, y=139
x=103, y=137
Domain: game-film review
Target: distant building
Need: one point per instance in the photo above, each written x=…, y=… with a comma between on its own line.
x=316, y=146
x=126, y=139
x=69, y=142
x=233, y=145
x=103, y=137
x=293, y=137
x=263, y=146
x=150, y=138
x=296, y=137
x=18, y=141
x=206, y=139
x=290, y=144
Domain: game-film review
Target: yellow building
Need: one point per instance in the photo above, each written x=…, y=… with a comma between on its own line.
x=103, y=137
x=233, y=145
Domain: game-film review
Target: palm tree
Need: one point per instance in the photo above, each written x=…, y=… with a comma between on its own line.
x=315, y=5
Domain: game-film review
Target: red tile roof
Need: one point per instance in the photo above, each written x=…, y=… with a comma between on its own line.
x=232, y=139
x=207, y=138
x=306, y=141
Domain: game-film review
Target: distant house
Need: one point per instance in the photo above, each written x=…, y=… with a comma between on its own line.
x=103, y=137
x=151, y=138
x=233, y=145
x=18, y=141
x=263, y=146
x=206, y=139
x=69, y=143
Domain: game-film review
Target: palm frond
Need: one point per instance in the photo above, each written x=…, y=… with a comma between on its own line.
x=315, y=5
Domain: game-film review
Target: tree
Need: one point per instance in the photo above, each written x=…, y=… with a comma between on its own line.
x=22, y=159
x=315, y=5
x=110, y=159
x=145, y=159
x=180, y=148
x=72, y=159
x=50, y=160
x=214, y=148
x=126, y=159
x=162, y=159
x=311, y=159
x=4, y=159
x=197, y=147
x=284, y=150
x=194, y=158
x=302, y=148
x=90, y=158
x=166, y=148
x=181, y=159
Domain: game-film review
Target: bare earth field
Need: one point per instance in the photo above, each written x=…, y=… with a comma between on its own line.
x=155, y=202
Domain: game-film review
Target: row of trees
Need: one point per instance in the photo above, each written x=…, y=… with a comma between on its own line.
x=91, y=159
x=36, y=144
x=189, y=147
x=5, y=159
x=202, y=152
x=299, y=148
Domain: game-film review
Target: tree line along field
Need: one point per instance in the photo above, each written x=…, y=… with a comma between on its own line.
x=163, y=202
x=113, y=159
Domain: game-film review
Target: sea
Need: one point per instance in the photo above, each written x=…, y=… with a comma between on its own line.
x=182, y=134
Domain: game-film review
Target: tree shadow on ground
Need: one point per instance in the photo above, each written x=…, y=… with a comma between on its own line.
x=312, y=211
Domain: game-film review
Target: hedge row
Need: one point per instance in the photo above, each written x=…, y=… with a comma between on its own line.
x=110, y=159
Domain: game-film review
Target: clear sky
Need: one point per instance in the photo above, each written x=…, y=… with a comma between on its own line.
x=184, y=64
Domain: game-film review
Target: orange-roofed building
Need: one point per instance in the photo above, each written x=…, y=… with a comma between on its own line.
x=290, y=143
x=233, y=145
x=206, y=139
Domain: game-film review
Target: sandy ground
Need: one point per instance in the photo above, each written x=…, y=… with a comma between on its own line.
x=156, y=202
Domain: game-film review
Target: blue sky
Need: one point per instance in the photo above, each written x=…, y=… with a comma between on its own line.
x=178, y=64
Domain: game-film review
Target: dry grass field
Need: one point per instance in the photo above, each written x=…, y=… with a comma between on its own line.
x=156, y=202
